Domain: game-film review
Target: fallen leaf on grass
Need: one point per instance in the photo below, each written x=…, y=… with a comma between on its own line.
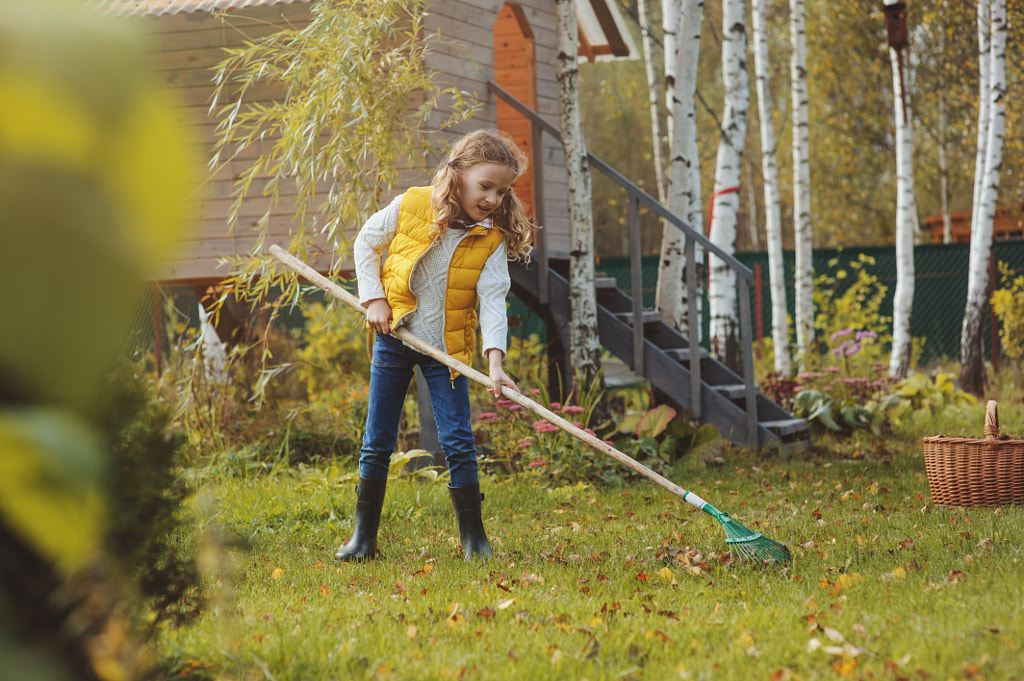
x=506, y=603
x=898, y=573
x=845, y=666
x=278, y=573
x=662, y=636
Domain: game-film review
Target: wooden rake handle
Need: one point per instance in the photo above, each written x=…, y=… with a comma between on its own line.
x=341, y=294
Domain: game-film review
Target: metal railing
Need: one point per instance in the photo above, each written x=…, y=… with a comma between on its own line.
x=692, y=238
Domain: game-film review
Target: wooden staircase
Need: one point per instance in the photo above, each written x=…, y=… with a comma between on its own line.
x=666, y=365
x=674, y=363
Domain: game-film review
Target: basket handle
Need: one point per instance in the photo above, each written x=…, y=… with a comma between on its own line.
x=992, y=420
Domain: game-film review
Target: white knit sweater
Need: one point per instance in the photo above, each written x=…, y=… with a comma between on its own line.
x=429, y=280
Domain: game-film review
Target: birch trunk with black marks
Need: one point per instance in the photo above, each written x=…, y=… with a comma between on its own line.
x=586, y=349
x=684, y=188
x=724, y=327
x=772, y=207
x=906, y=223
x=654, y=95
x=972, y=359
x=671, y=18
x=802, y=234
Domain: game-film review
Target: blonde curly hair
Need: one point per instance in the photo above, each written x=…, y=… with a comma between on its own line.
x=485, y=146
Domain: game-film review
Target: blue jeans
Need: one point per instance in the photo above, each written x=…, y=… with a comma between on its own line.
x=390, y=374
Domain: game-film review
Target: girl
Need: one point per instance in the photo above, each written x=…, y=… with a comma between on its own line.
x=448, y=247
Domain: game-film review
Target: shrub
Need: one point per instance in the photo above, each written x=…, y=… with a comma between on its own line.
x=1008, y=305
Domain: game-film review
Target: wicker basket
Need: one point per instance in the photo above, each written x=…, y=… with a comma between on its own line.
x=970, y=472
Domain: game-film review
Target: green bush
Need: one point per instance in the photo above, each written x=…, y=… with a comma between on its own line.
x=145, y=494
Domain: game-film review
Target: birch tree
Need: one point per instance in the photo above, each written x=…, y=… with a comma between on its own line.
x=684, y=184
x=803, y=242
x=906, y=209
x=724, y=328
x=671, y=20
x=772, y=208
x=586, y=350
x=654, y=95
x=972, y=364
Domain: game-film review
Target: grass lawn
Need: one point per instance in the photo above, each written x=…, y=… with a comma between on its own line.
x=614, y=583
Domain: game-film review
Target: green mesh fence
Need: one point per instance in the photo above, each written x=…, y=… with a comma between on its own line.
x=940, y=286
x=940, y=294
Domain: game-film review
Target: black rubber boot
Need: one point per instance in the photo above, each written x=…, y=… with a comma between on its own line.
x=466, y=501
x=369, y=502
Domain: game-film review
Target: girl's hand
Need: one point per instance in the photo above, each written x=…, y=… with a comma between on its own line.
x=497, y=375
x=378, y=315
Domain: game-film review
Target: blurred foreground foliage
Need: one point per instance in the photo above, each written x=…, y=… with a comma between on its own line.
x=95, y=181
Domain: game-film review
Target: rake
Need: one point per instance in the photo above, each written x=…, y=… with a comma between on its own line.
x=744, y=544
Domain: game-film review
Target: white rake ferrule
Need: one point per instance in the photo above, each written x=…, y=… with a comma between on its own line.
x=698, y=503
x=694, y=500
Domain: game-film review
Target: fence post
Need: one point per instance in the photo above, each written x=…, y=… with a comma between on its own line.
x=992, y=313
x=636, y=285
x=758, y=302
x=536, y=140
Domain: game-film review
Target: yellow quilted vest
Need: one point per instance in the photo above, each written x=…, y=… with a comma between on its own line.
x=415, y=223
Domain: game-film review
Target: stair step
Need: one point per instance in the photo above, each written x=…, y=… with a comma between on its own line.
x=648, y=317
x=605, y=283
x=785, y=426
x=736, y=391
x=683, y=354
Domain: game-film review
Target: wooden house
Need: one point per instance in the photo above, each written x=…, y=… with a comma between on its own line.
x=510, y=43
x=1007, y=225
x=513, y=45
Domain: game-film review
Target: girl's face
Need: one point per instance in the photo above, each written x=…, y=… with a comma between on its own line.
x=483, y=187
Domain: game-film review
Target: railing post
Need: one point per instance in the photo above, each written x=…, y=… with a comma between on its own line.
x=536, y=142
x=693, y=326
x=747, y=343
x=636, y=285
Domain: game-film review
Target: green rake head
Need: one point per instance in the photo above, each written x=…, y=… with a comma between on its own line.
x=746, y=544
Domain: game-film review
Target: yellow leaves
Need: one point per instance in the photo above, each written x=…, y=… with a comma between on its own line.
x=666, y=575
x=411, y=632
x=845, y=580
x=49, y=494
x=95, y=180
x=277, y=574
x=48, y=125
x=845, y=666
x=896, y=574
x=456, y=616
x=745, y=640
